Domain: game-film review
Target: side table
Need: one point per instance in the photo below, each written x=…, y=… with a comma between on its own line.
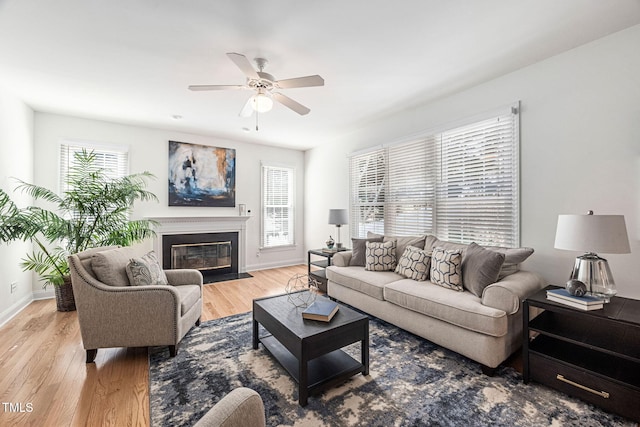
x=320, y=275
x=593, y=355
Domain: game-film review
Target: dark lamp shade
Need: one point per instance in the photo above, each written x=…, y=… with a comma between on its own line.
x=338, y=216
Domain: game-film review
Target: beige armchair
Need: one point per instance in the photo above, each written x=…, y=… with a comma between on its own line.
x=241, y=408
x=115, y=314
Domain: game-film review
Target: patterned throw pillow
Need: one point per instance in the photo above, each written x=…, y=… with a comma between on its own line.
x=414, y=264
x=380, y=256
x=146, y=271
x=446, y=268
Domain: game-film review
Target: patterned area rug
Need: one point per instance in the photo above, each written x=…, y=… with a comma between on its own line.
x=412, y=382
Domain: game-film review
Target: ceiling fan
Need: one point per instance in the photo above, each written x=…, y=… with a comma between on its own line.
x=265, y=86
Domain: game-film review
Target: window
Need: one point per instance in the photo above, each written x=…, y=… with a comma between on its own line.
x=114, y=160
x=459, y=185
x=277, y=206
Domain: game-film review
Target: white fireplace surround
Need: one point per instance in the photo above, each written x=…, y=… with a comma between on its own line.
x=202, y=224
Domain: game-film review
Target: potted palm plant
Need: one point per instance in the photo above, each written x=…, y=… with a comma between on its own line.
x=93, y=211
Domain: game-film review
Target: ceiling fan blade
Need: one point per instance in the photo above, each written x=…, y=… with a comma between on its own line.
x=243, y=63
x=290, y=103
x=306, y=81
x=216, y=87
x=247, y=110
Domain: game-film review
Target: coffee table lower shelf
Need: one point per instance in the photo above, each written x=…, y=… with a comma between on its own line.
x=323, y=372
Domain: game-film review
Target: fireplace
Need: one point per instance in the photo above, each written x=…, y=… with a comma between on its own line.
x=214, y=245
x=214, y=254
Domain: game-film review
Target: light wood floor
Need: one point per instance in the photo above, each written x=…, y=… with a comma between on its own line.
x=43, y=371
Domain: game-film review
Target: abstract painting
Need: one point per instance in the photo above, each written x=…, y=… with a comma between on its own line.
x=200, y=175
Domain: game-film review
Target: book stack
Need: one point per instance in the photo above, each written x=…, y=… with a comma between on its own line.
x=321, y=310
x=586, y=302
x=329, y=251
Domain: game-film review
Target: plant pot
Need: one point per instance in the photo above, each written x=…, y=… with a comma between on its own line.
x=64, y=296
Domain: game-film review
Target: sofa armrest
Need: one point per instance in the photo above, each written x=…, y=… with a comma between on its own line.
x=341, y=259
x=184, y=277
x=508, y=293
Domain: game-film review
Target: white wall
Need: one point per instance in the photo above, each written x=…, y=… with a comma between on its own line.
x=16, y=161
x=580, y=149
x=149, y=151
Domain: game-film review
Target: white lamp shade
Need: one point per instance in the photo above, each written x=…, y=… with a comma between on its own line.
x=592, y=233
x=338, y=216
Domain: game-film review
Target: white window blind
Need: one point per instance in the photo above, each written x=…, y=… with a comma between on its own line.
x=477, y=196
x=410, y=188
x=277, y=206
x=367, y=183
x=461, y=185
x=113, y=160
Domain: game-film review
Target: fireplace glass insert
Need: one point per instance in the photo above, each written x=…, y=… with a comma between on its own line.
x=201, y=256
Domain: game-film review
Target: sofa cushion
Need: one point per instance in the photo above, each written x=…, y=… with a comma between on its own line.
x=401, y=241
x=359, y=250
x=357, y=278
x=189, y=295
x=458, y=308
x=480, y=268
x=110, y=266
x=432, y=242
x=380, y=256
x=446, y=268
x=513, y=256
x=414, y=264
x=145, y=271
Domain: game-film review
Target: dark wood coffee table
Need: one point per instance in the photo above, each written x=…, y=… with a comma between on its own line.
x=309, y=350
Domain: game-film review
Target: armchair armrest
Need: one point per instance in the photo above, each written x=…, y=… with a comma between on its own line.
x=508, y=293
x=184, y=277
x=341, y=259
x=241, y=407
x=107, y=314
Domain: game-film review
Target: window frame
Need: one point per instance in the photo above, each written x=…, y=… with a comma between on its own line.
x=67, y=148
x=290, y=206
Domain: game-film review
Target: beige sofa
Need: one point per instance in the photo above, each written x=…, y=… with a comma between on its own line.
x=112, y=313
x=486, y=328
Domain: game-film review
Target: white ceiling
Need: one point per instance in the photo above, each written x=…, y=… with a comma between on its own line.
x=130, y=61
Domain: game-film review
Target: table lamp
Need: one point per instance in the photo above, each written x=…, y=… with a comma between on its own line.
x=593, y=233
x=338, y=217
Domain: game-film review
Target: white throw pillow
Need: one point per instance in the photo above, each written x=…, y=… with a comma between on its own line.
x=446, y=268
x=414, y=264
x=380, y=256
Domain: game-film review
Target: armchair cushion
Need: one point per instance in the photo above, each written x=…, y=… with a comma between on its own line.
x=189, y=295
x=110, y=266
x=145, y=271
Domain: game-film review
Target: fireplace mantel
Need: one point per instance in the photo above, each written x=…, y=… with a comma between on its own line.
x=203, y=224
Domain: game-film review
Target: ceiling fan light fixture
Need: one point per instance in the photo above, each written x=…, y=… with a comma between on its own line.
x=261, y=103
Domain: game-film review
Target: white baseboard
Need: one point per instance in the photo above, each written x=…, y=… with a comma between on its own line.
x=44, y=294
x=277, y=264
x=16, y=308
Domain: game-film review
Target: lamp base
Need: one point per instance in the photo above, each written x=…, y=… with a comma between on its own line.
x=595, y=273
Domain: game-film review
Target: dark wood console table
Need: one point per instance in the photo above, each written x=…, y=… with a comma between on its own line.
x=593, y=355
